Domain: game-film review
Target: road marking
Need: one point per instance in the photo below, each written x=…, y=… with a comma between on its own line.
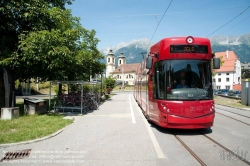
x=152, y=137
x=132, y=111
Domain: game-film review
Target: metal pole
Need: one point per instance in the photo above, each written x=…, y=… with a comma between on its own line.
x=82, y=98
x=49, y=94
x=101, y=84
x=122, y=79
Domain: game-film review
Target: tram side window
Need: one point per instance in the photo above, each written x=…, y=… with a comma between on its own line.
x=158, y=81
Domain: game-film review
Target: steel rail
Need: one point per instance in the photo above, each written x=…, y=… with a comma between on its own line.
x=234, y=113
x=234, y=118
x=225, y=148
x=189, y=150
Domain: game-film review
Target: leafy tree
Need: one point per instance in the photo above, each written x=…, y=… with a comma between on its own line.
x=109, y=82
x=40, y=38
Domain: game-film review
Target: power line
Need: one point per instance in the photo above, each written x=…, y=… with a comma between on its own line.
x=160, y=21
x=229, y=21
x=235, y=25
x=155, y=14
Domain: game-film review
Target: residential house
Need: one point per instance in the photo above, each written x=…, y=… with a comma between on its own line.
x=229, y=74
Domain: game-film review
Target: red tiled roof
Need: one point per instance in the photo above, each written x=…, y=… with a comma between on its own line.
x=127, y=68
x=229, y=63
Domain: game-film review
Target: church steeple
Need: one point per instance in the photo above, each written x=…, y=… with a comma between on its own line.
x=121, y=59
x=110, y=64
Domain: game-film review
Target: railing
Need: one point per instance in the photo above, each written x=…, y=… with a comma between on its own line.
x=76, y=101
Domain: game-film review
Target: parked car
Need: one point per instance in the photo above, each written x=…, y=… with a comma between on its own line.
x=223, y=92
x=234, y=93
x=215, y=91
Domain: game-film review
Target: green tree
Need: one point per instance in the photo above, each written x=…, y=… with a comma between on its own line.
x=42, y=39
x=109, y=82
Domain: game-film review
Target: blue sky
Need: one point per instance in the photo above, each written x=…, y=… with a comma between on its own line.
x=117, y=21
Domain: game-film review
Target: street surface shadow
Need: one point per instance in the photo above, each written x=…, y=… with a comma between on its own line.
x=181, y=131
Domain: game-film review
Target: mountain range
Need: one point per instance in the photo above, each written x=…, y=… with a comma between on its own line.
x=135, y=50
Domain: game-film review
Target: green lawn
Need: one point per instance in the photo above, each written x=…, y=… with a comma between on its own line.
x=30, y=127
x=229, y=102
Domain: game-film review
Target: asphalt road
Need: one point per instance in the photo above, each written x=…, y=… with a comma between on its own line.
x=118, y=134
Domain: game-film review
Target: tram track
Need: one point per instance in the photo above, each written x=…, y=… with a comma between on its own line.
x=225, y=148
x=234, y=113
x=233, y=117
x=212, y=140
x=190, y=150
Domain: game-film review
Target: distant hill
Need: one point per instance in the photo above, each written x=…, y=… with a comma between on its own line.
x=134, y=49
x=239, y=44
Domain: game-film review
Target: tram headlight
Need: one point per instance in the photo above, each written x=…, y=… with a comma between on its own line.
x=212, y=108
x=164, y=108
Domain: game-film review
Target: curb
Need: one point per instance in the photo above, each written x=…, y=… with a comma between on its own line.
x=32, y=141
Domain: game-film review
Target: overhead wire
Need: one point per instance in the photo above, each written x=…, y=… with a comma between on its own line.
x=153, y=14
x=235, y=24
x=160, y=20
x=229, y=21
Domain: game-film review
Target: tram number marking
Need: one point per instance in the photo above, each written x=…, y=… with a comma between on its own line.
x=190, y=95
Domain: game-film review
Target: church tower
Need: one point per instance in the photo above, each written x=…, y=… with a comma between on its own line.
x=121, y=59
x=110, y=64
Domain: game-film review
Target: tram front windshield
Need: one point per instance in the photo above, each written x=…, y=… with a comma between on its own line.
x=183, y=80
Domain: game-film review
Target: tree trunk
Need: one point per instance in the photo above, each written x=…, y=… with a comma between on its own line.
x=59, y=89
x=2, y=94
x=9, y=88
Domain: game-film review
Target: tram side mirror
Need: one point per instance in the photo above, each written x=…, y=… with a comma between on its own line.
x=216, y=63
x=149, y=63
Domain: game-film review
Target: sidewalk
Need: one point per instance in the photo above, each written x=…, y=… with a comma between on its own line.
x=107, y=136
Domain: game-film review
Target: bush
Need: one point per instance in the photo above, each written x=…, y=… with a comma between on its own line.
x=109, y=82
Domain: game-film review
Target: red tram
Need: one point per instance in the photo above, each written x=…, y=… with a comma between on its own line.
x=173, y=84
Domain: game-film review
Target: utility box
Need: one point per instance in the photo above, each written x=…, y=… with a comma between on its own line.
x=9, y=113
x=245, y=93
x=34, y=106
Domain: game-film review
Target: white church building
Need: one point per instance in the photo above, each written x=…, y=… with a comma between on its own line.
x=122, y=72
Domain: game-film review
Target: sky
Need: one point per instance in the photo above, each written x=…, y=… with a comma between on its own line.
x=117, y=21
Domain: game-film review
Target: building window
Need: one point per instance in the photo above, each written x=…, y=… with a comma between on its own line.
x=213, y=80
x=227, y=87
x=113, y=60
x=219, y=74
x=227, y=79
x=108, y=59
x=120, y=62
x=218, y=87
x=227, y=74
x=219, y=79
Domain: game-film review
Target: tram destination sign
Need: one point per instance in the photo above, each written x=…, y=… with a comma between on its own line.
x=189, y=49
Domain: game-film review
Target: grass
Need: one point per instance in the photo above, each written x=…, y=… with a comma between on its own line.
x=229, y=102
x=31, y=127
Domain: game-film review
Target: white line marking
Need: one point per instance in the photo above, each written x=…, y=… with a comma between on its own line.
x=132, y=111
x=152, y=137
